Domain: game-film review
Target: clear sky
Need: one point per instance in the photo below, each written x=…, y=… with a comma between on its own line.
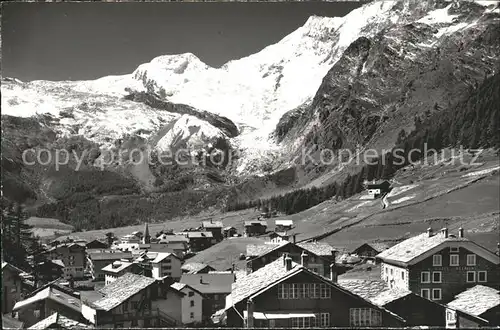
x=73, y=41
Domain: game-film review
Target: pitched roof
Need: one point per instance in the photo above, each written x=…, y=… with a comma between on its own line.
x=476, y=300
x=12, y=267
x=283, y=222
x=212, y=224
x=380, y=246
x=199, y=234
x=255, y=222
x=254, y=250
x=9, y=322
x=120, y=265
x=273, y=273
x=209, y=283
x=108, y=255
x=121, y=289
x=415, y=246
x=172, y=238
x=318, y=248
x=376, y=291
x=194, y=267
x=155, y=257
x=53, y=294
x=61, y=321
x=409, y=250
x=180, y=286
x=365, y=288
x=58, y=262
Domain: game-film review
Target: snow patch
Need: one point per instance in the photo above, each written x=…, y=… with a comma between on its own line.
x=358, y=206
x=482, y=172
x=399, y=190
x=438, y=16
x=403, y=199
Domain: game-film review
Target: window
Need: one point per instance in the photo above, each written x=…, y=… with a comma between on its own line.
x=481, y=276
x=125, y=306
x=449, y=316
x=471, y=277
x=293, y=291
x=436, y=260
x=134, y=322
x=190, y=294
x=303, y=322
x=325, y=319
x=167, y=267
x=191, y=303
x=272, y=323
x=471, y=260
x=402, y=275
x=325, y=291
x=454, y=250
x=425, y=277
x=454, y=260
x=283, y=291
x=314, y=290
x=135, y=305
x=314, y=270
x=365, y=317
x=392, y=271
x=303, y=290
x=425, y=293
x=436, y=294
x=191, y=315
x=436, y=277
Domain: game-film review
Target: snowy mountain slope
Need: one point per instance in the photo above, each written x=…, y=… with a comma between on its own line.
x=383, y=82
x=254, y=92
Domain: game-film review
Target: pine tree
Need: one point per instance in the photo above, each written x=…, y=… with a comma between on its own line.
x=16, y=235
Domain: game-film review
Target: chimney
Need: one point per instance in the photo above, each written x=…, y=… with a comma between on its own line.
x=304, y=258
x=460, y=232
x=288, y=263
x=445, y=232
x=294, y=238
x=334, y=256
x=250, y=308
x=285, y=255
x=429, y=232
x=498, y=249
x=201, y=280
x=333, y=273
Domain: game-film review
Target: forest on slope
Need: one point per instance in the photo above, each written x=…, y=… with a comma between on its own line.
x=472, y=124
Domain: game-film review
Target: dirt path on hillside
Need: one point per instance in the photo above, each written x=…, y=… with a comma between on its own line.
x=359, y=220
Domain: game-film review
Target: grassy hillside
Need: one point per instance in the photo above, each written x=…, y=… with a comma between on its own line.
x=425, y=196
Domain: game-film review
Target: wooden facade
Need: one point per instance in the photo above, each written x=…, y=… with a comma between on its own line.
x=319, y=265
x=328, y=306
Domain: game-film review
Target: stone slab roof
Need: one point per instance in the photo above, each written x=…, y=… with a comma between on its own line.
x=122, y=289
x=476, y=300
